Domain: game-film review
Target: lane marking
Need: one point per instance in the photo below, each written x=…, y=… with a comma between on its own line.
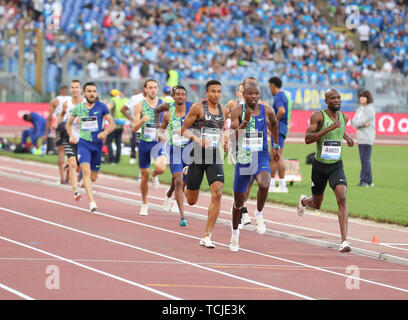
x=193, y=237
x=110, y=275
x=14, y=291
x=148, y=251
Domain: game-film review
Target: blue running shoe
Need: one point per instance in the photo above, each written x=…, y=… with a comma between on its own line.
x=183, y=222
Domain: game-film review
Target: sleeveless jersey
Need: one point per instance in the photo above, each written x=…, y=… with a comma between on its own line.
x=148, y=133
x=329, y=146
x=210, y=126
x=61, y=100
x=254, y=138
x=176, y=123
x=75, y=127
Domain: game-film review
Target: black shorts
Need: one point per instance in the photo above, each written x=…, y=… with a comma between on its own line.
x=211, y=164
x=323, y=172
x=59, y=134
x=70, y=150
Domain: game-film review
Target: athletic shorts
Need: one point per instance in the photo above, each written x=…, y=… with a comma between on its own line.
x=148, y=150
x=90, y=152
x=59, y=134
x=177, y=160
x=211, y=164
x=323, y=172
x=281, y=140
x=70, y=150
x=244, y=172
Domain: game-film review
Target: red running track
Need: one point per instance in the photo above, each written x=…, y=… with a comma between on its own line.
x=117, y=254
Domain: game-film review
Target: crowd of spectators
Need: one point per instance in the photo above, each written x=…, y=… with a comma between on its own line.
x=223, y=39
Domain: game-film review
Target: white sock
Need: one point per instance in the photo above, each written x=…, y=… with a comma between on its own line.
x=273, y=183
x=258, y=213
x=282, y=182
x=235, y=233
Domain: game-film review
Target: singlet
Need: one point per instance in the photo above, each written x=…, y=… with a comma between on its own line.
x=176, y=123
x=148, y=133
x=61, y=100
x=329, y=146
x=75, y=127
x=210, y=126
x=255, y=137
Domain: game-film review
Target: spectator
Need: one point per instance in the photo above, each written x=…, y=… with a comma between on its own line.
x=364, y=35
x=38, y=129
x=364, y=122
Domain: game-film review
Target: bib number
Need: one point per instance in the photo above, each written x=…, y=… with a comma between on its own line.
x=331, y=150
x=253, y=141
x=89, y=124
x=211, y=134
x=150, y=131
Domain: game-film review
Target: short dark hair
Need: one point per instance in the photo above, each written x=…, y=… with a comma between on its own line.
x=26, y=116
x=276, y=81
x=212, y=83
x=368, y=95
x=173, y=91
x=149, y=80
x=76, y=81
x=90, y=84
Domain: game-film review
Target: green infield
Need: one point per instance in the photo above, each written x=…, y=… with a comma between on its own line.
x=387, y=201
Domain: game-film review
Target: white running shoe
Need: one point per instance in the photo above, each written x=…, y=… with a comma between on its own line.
x=93, y=207
x=300, y=207
x=156, y=182
x=260, y=224
x=174, y=207
x=345, y=247
x=234, y=246
x=246, y=219
x=167, y=204
x=77, y=196
x=143, y=210
x=273, y=189
x=206, y=242
x=132, y=161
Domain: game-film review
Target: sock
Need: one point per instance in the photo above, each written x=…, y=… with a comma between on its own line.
x=235, y=233
x=273, y=183
x=282, y=182
x=258, y=213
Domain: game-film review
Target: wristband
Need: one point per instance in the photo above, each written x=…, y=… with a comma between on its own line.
x=276, y=146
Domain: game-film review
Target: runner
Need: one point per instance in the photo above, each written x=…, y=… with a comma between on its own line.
x=92, y=136
x=327, y=129
x=173, y=119
x=54, y=111
x=250, y=123
x=128, y=111
x=71, y=151
x=148, y=147
x=281, y=108
x=207, y=120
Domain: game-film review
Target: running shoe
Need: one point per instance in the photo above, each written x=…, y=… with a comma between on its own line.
x=234, y=246
x=206, y=242
x=132, y=161
x=93, y=207
x=183, y=222
x=345, y=247
x=283, y=189
x=167, y=204
x=260, y=224
x=273, y=189
x=300, y=207
x=143, y=210
x=245, y=219
x=77, y=196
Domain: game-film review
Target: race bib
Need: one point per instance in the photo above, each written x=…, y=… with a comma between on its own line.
x=253, y=141
x=211, y=134
x=89, y=123
x=331, y=150
x=150, y=131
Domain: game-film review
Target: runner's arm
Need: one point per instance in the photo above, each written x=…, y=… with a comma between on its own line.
x=125, y=112
x=312, y=133
x=102, y=135
x=160, y=108
x=137, y=119
x=68, y=125
x=350, y=141
x=53, y=105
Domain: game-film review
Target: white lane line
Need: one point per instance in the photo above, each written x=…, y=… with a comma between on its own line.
x=14, y=291
x=189, y=236
x=221, y=211
x=147, y=251
x=110, y=275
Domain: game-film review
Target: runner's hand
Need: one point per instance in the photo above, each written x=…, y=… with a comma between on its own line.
x=101, y=136
x=276, y=155
x=72, y=140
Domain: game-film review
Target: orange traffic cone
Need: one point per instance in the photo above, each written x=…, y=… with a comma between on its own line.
x=375, y=240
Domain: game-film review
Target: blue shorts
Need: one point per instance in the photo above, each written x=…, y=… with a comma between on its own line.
x=244, y=172
x=148, y=150
x=281, y=140
x=179, y=158
x=90, y=152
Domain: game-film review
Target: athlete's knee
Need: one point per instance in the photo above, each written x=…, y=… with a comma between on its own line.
x=216, y=194
x=178, y=181
x=263, y=185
